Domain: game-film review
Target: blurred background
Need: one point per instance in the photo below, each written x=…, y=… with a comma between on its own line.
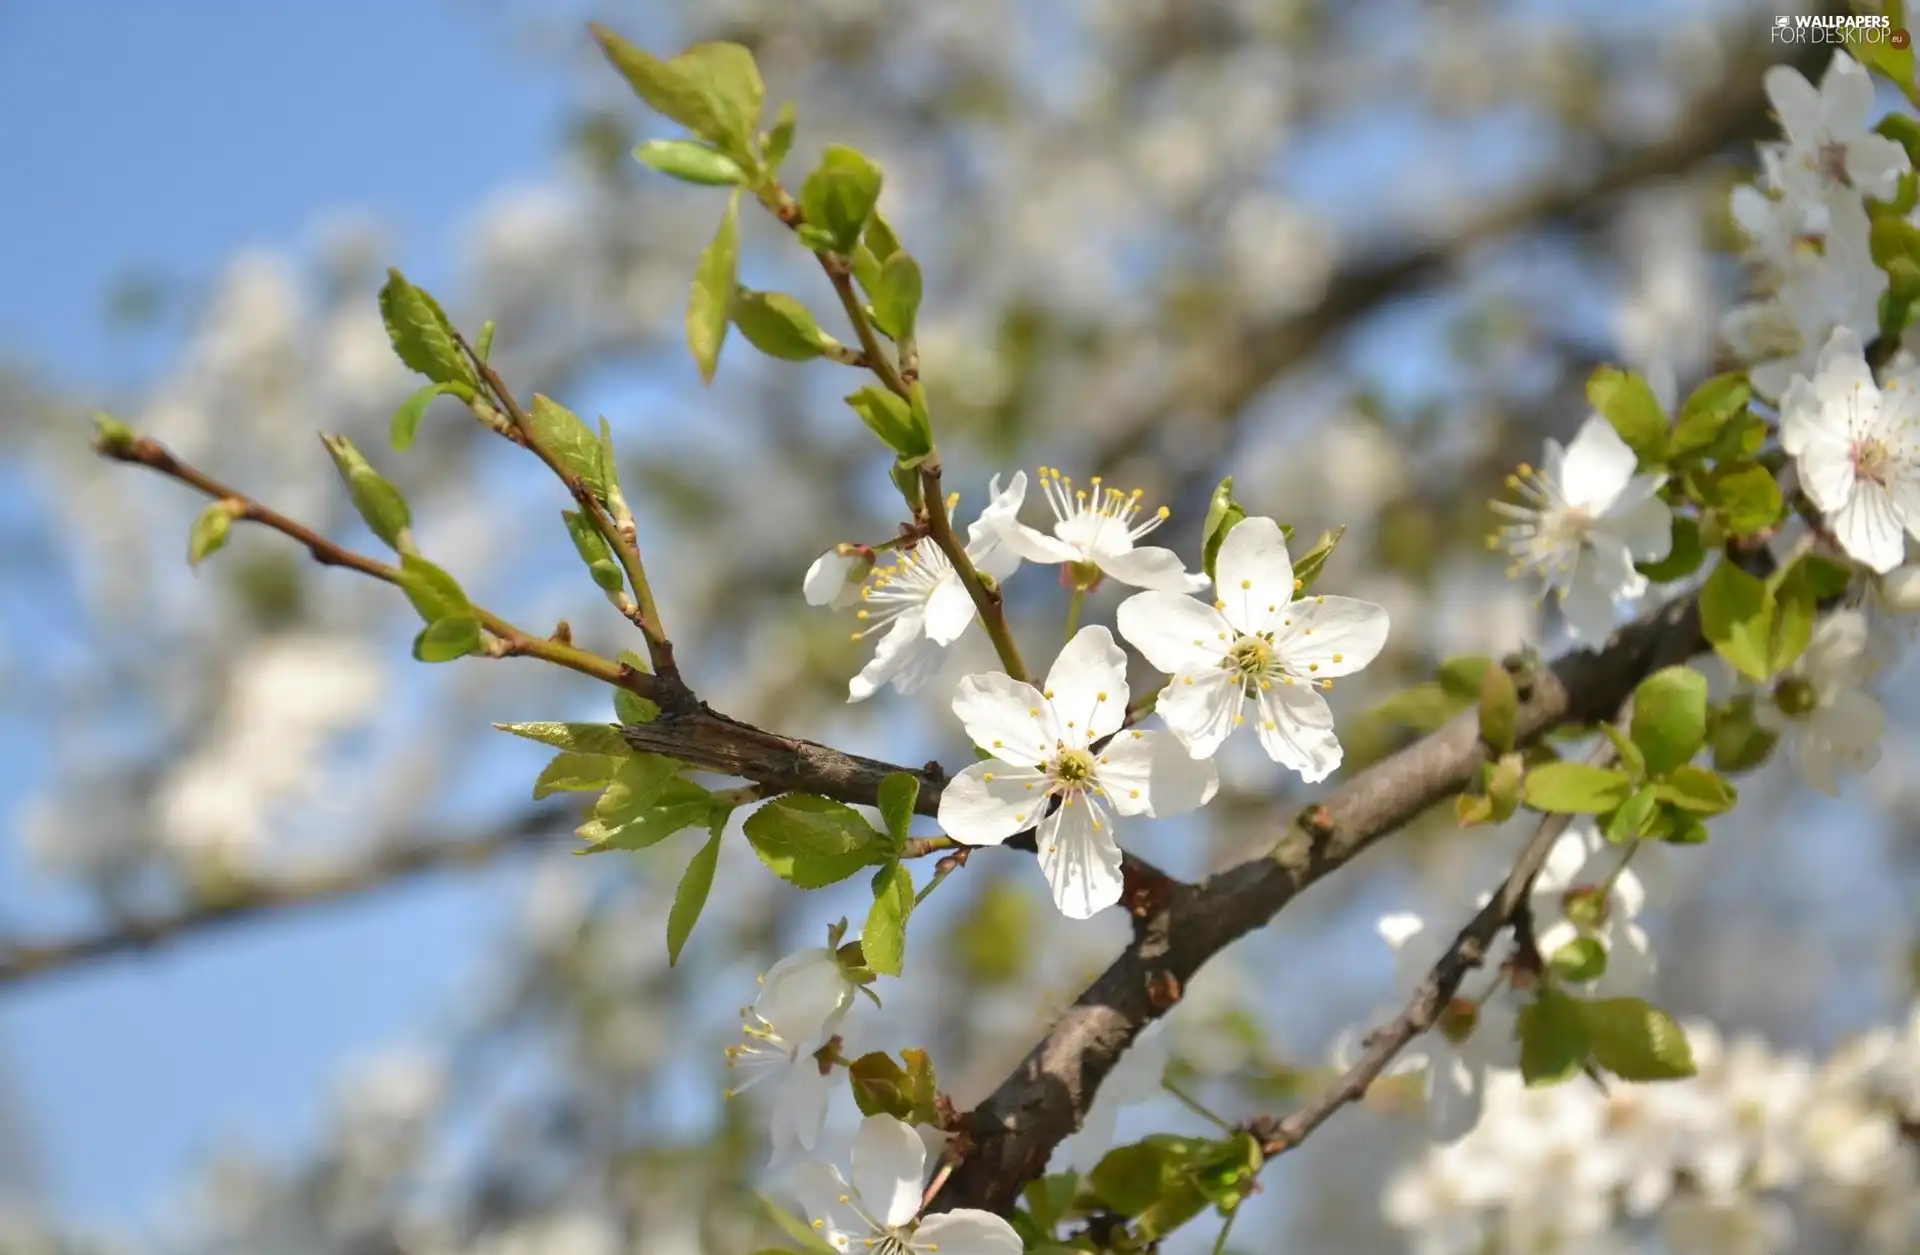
x=289, y=961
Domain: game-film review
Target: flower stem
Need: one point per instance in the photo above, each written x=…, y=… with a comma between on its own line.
x=1197, y=1107
x=1073, y=610
x=1226, y=1227
x=988, y=602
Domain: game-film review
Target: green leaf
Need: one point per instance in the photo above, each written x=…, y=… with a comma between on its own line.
x=1630, y=755
x=680, y=805
x=1696, y=789
x=725, y=74
x=1707, y=412
x=896, y=303
x=1553, y=1038
x=483, y=343
x=593, y=550
x=695, y=884
x=1499, y=710
x=1635, y=1040
x=1463, y=677
x=1670, y=717
x=899, y=793
x=433, y=592
x=210, y=531
x=572, y=772
x=422, y=336
x=631, y=707
x=840, y=194
x=378, y=501
x=1739, y=742
x=572, y=443
x=883, y=1087
x=1575, y=788
x=1683, y=557
x=1505, y=778
x=813, y=841
x=406, y=419
x=1422, y=708
x=1581, y=960
x=1223, y=515
x=443, y=640
x=1624, y=399
x=1746, y=498
x=1048, y=1198
x=712, y=293
x=779, y=139
x=1635, y=817
x=1165, y=1180
x=1736, y=615
x=1797, y=592
x=665, y=86
x=635, y=789
x=880, y=239
x=891, y=419
x=110, y=435
x=777, y=325
x=1311, y=563
x=884, y=940
x=690, y=162
x=584, y=738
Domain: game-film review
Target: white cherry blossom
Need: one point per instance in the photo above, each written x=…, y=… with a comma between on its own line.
x=1257, y=645
x=1042, y=745
x=836, y=577
x=1094, y=529
x=1828, y=146
x=1590, y=887
x=1858, y=449
x=800, y=1086
x=874, y=1211
x=919, y=599
x=1838, y=286
x=1584, y=519
x=805, y=996
x=1822, y=706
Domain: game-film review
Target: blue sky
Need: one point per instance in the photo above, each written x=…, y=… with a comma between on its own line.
x=160, y=138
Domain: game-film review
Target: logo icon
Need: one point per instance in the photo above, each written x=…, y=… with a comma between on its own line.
x=1900, y=39
x=1782, y=20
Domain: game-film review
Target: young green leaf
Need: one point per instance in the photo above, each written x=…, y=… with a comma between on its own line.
x=378, y=501
x=434, y=593
x=443, y=640
x=1670, y=717
x=1739, y=742
x=680, y=805
x=1499, y=710
x=1736, y=616
x=778, y=325
x=1624, y=399
x=1635, y=1040
x=1553, y=1038
x=572, y=772
x=712, y=294
x=1696, y=789
x=1575, y=788
x=884, y=940
x=406, y=419
x=1223, y=515
x=1635, y=817
x=483, y=343
x=899, y=793
x=422, y=336
x=725, y=74
x=1746, y=498
x=896, y=302
x=1463, y=677
x=690, y=162
x=1707, y=412
x=635, y=789
x=891, y=419
x=1581, y=960
x=665, y=87
x=695, y=884
x=1684, y=554
x=1307, y=569
x=907, y=1093
x=813, y=841
x=210, y=531
x=779, y=139
x=584, y=738
x=572, y=443
x=839, y=196
x=593, y=550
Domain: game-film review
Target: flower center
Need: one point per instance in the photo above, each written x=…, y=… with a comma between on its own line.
x=1545, y=533
x=1830, y=161
x=1873, y=460
x=1096, y=518
x=1795, y=697
x=1251, y=657
x=1074, y=767
x=1458, y=1019
x=901, y=585
x=890, y=1241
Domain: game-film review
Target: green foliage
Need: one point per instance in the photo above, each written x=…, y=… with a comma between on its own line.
x=1707, y=412
x=572, y=444
x=899, y=794
x=1739, y=742
x=1553, y=1038
x=406, y=419
x=110, y=435
x=1624, y=399
x=690, y=898
x=778, y=325
x=1576, y=788
x=1636, y=1041
x=839, y=195
x=712, y=89
x=1166, y=1180
x=1670, y=717
x=422, y=335
x=574, y=772
x=778, y=141
x=813, y=841
x=1744, y=496
x=711, y=298
x=680, y=804
x=594, y=551
x=1736, y=614
x=894, y=421
x=1684, y=556
x=690, y=162
x=210, y=530
x=1581, y=960
x=1223, y=515
x=635, y=789
x=1499, y=710
x=896, y=296
x=378, y=502
x=1307, y=569
x=582, y=738
x=443, y=640
x=434, y=593
x=884, y=940
x=1696, y=789
x=631, y=707
x=1797, y=591
x=1634, y=819
x=1463, y=677
x=881, y=1086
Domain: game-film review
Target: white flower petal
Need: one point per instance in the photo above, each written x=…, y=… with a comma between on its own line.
x=1173, y=632
x=1397, y=927
x=1087, y=686
x=1645, y=528
x=888, y=1161
x=799, y=1108
x=1036, y=546
x=1006, y=717
x=1331, y=636
x=904, y=658
x=830, y=579
x=949, y=610
x=1256, y=574
x=1296, y=730
x=1869, y=528
x=1846, y=97
x=1597, y=468
x=1797, y=103
x=1875, y=164
x=977, y=811
x=1199, y=709
x=818, y=1187
x=1125, y=771
x=1587, y=606
x=1181, y=782
x=805, y=996
x=1149, y=567
x=1826, y=472
x=1002, y=512
x=965, y=1231
x=1080, y=859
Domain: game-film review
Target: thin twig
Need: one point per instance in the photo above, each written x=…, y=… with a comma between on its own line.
x=988, y=602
